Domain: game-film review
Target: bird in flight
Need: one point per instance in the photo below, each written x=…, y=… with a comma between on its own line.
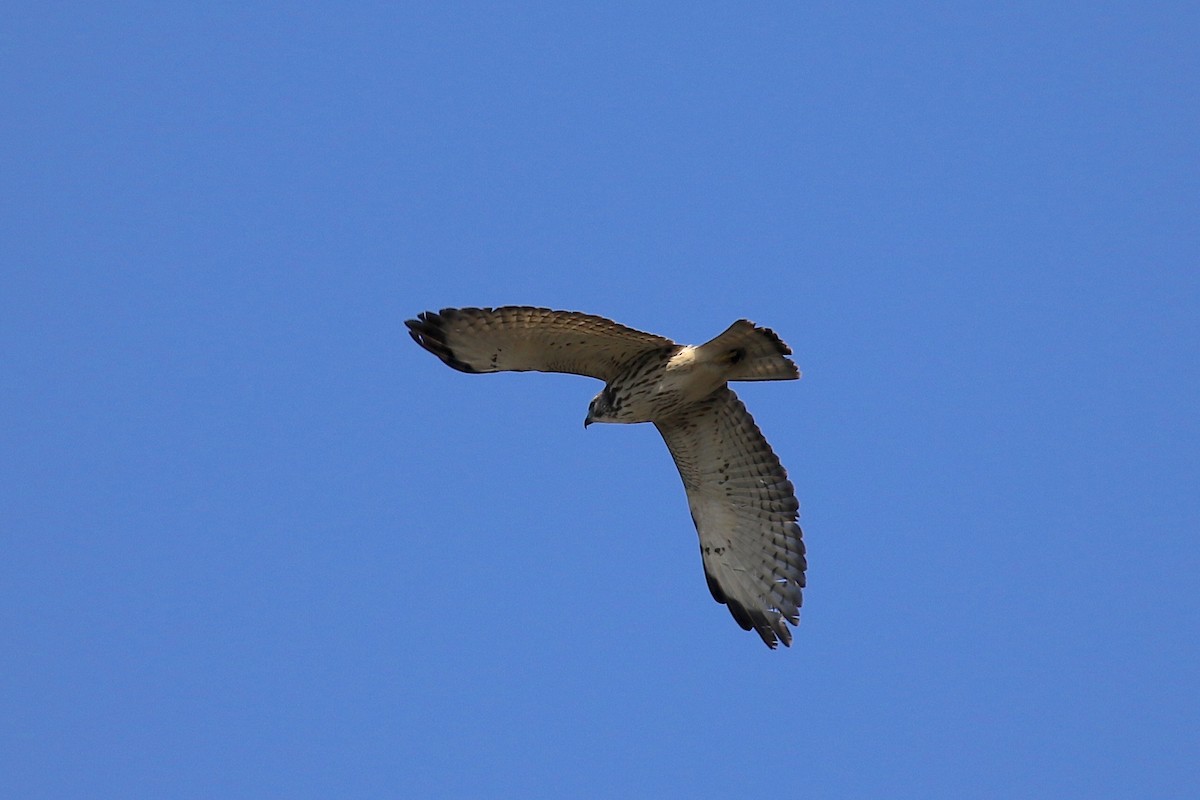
x=741, y=500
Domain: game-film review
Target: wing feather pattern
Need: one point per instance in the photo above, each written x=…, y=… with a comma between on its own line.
x=522, y=338
x=745, y=511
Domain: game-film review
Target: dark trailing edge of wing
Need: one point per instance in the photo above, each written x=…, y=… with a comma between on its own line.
x=429, y=331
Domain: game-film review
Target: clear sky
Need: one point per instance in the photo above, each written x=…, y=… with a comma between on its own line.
x=256, y=543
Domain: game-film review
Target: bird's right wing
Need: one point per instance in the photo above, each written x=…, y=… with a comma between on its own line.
x=521, y=338
x=745, y=512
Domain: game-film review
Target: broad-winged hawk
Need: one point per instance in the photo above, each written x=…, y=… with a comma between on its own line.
x=741, y=500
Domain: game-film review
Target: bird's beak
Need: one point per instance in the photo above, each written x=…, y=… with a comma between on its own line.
x=587, y=421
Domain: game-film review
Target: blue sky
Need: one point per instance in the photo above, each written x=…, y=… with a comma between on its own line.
x=256, y=543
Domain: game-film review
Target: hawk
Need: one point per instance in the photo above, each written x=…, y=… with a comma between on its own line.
x=741, y=500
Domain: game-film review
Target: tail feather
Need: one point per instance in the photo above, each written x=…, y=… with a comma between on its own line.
x=752, y=353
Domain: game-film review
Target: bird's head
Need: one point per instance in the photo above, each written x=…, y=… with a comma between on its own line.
x=601, y=409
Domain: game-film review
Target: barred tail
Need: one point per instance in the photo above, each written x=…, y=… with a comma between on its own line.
x=751, y=353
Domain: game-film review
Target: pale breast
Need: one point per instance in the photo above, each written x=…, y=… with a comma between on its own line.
x=661, y=383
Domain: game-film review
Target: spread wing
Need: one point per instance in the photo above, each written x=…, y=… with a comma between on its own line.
x=745, y=511
x=521, y=338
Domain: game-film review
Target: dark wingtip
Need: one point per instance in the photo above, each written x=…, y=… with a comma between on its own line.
x=771, y=631
x=429, y=331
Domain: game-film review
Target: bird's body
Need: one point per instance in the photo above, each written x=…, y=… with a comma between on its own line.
x=654, y=386
x=741, y=501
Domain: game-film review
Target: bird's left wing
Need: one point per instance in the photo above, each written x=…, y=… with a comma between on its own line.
x=521, y=338
x=745, y=511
